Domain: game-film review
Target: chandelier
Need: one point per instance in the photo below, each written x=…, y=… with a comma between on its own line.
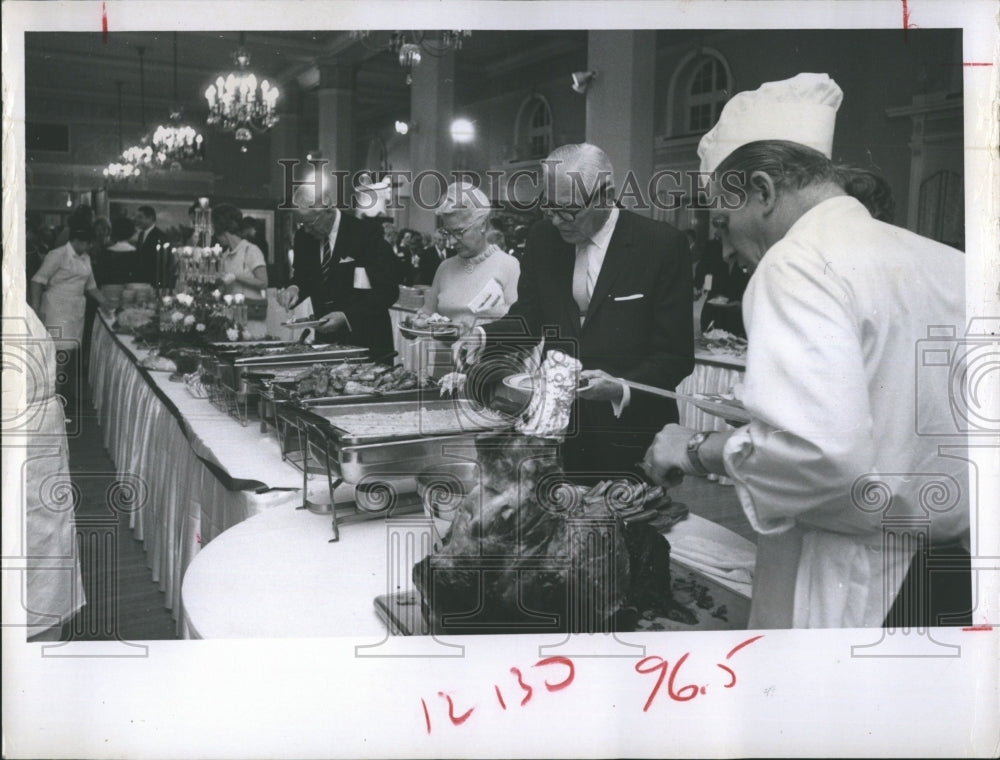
x=175, y=142
x=409, y=47
x=236, y=102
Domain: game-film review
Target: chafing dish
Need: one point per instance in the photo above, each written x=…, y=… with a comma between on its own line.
x=232, y=369
x=334, y=439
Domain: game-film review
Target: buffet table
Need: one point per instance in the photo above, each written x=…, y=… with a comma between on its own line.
x=275, y=575
x=187, y=471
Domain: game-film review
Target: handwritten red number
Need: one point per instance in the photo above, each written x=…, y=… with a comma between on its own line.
x=427, y=716
x=678, y=694
x=523, y=685
x=558, y=661
x=643, y=667
x=459, y=719
x=748, y=642
x=734, y=650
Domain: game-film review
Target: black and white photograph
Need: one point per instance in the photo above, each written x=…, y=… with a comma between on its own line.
x=594, y=379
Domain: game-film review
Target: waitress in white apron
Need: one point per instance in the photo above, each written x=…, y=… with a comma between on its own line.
x=58, y=294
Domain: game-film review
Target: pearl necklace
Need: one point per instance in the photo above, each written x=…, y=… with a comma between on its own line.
x=470, y=264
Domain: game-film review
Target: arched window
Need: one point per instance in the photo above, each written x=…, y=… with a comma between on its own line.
x=699, y=88
x=533, y=129
x=706, y=95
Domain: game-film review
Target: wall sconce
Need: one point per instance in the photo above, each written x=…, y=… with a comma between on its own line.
x=463, y=131
x=582, y=80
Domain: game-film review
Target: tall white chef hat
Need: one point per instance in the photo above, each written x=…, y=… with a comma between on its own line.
x=802, y=109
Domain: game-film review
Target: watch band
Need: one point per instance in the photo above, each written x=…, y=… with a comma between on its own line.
x=693, y=446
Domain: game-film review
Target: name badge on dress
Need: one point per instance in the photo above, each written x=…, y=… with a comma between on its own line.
x=361, y=281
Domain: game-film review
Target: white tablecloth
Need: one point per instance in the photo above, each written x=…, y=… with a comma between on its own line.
x=276, y=575
x=197, y=471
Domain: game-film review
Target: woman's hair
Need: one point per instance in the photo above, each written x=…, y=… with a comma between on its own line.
x=227, y=218
x=794, y=166
x=82, y=232
x=465, y=199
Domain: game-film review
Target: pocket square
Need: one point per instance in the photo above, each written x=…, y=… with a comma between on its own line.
x=346, y=260
x=633, y=297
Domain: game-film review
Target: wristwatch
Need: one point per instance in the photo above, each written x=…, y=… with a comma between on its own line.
x=692, y=452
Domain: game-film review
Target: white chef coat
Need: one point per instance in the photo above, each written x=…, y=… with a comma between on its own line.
x=834, y=315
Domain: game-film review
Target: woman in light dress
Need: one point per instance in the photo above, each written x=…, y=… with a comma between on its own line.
x=478, y=284
x=244, y=267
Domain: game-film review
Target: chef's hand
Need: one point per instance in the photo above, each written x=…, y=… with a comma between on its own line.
x=598, y=385
x=332, y=322
x=288, y=296
x=467, y=349
x=666, y=461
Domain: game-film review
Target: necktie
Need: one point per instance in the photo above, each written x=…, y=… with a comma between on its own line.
x=583, y=287
x=327, y=254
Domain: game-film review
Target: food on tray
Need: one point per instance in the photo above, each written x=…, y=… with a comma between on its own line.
x=721, y=343
x=412, y=424
x=158, y=363
x=324, y=381
x=530, y=552
x=552, y=396
x=132, y=317
x=247, y=352
x=425, y=322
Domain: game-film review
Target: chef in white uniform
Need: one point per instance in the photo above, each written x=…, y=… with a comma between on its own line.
x=834, y=471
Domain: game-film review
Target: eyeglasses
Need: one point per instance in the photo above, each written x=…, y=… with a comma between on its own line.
x=456, y=235
x=720, y=223
x=563, y=213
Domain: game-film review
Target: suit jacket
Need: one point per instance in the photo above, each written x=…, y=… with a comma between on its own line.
x=727, y=280
x=430, y=260
x=359, y=243
x=148, y=264
x=638, y=326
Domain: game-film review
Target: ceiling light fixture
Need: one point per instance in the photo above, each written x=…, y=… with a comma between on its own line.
x=238, y=104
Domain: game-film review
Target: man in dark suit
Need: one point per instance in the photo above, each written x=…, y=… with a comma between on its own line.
x=344, y=265
x=725, y=281
x=151, y=263
x=431, y=258
x=617, y=288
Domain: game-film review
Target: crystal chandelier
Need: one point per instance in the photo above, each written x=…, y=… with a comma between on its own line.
x=175, y=142
x=236, y=102
x=409, y=47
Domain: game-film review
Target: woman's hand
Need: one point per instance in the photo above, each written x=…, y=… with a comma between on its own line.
x=228, y=278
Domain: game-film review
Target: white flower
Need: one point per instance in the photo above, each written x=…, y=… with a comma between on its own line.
x=216, y=294
x=200, y=327
x=176, y=317
x=232, y=333
x=239, y=298
x=217, y=249
x=228, y=299
x=167, y=300
x=189, y=320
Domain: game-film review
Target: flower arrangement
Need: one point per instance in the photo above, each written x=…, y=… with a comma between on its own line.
x=202, y=314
